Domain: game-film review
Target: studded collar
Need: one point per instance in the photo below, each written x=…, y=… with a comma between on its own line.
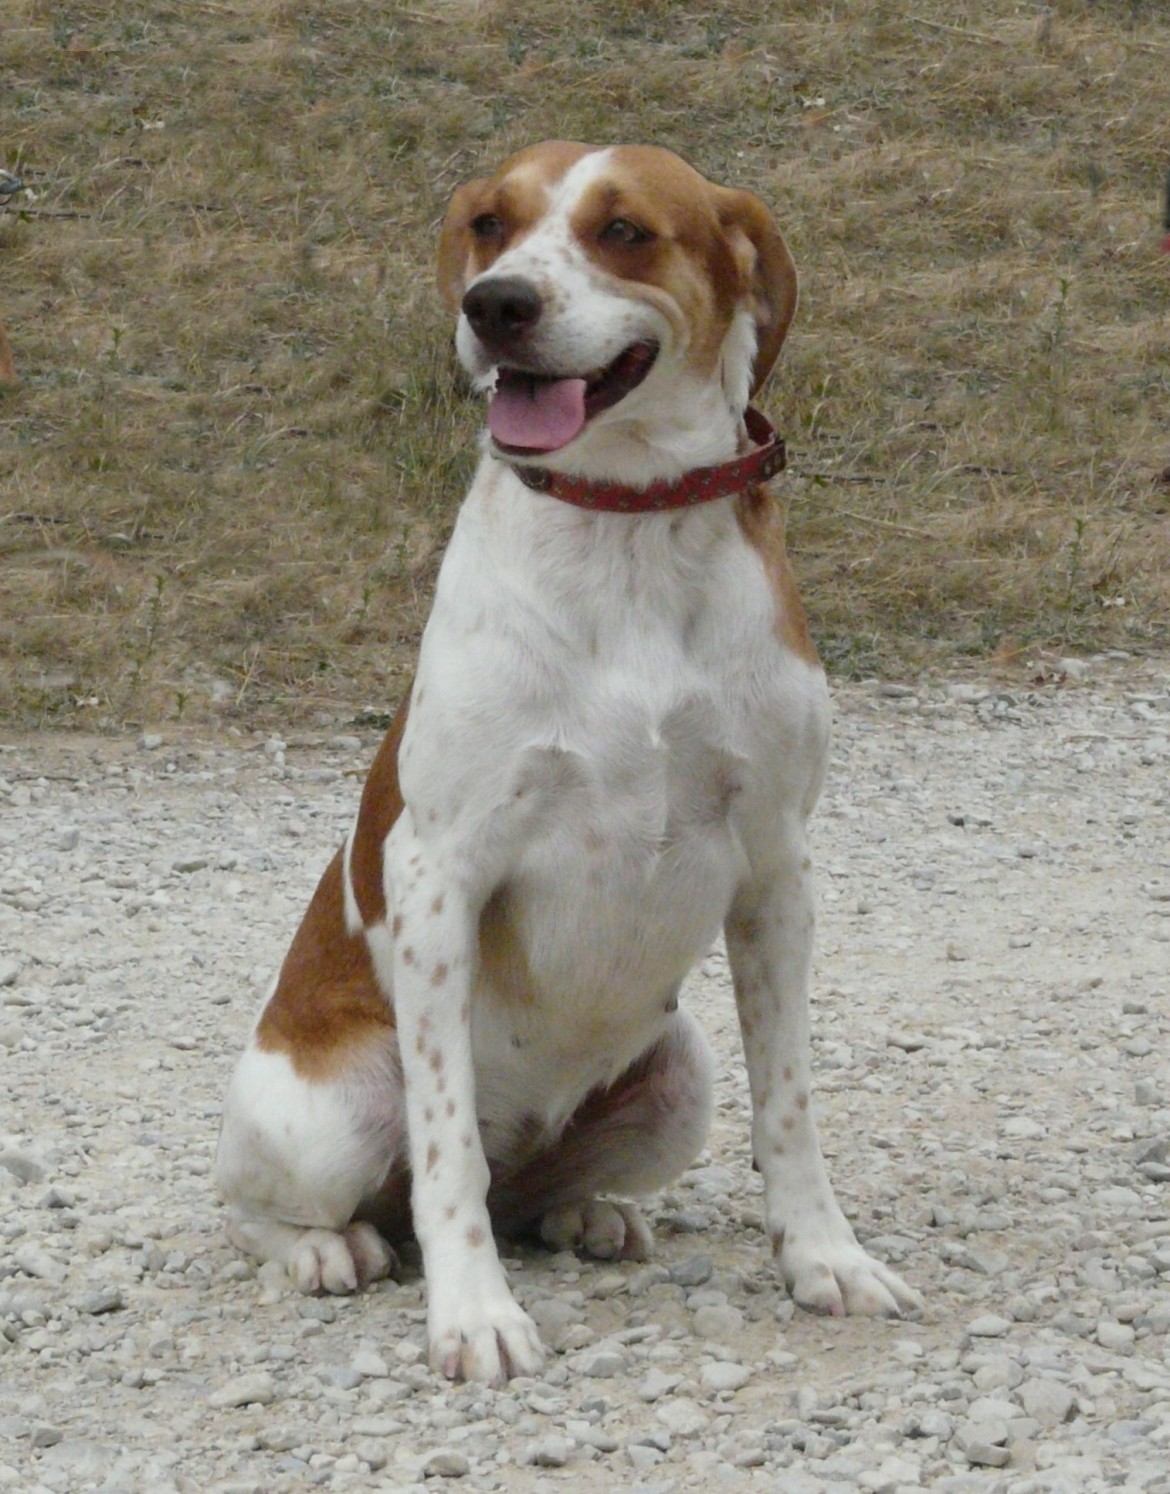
x=700, y=485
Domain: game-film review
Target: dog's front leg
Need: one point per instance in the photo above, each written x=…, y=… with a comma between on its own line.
x=769, y=941
x=476, y=1329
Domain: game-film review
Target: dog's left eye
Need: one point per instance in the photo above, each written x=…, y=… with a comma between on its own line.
x=625, y=231
x=487, y=226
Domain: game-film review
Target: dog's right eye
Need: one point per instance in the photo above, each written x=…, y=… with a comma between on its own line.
x=625, y=231
x=487, y=226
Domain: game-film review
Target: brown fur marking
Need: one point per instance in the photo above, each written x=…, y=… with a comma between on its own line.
x=327, y=999
x=381, y=805
x=762, y=526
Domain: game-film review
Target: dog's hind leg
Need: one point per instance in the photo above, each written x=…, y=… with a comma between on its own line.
x=297, y=1157
x=631, y=1138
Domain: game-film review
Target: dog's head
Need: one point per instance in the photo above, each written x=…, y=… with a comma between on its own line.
x=614, y=298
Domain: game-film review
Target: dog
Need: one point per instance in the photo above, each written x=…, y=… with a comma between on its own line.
x=613, y=742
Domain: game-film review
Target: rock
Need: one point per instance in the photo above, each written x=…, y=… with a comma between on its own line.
x=1047, y=1401
x=990, y=1325
x=724, y=1376
x=255, y=1389
x=657, y=1384
x=719, y=1322
x=370, y=1365
x=550, y=1452
x=1117, y=1337
x=446, y=1463
x=22, y=1164
x=891, y=1476
x=983, y=1442
x=682, y=1417
x=100, y=1300
x=693, y=1272
x=600, y=1363
x=34, y=1261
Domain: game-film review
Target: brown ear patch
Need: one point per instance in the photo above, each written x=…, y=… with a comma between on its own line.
x=768, y=273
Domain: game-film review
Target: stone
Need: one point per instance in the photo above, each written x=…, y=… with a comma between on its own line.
x=1117, y=1337
x=600, y=1364
x=989, y=1325
x=445, y=1462
x=724, y=1376
x=682, y=1417
x=255, y=1389
x=692, y=1272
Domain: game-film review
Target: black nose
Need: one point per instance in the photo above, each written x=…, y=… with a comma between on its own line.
x=502, y=309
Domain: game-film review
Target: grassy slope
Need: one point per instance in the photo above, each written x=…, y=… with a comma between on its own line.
x=226, y=480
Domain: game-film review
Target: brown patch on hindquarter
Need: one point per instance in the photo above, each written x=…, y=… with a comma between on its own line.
x=327, y=998
x=762, y=526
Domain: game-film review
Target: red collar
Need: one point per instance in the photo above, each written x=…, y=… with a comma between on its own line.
x=700, y=485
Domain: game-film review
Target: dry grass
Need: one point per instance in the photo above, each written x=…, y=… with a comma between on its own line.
x=227, y=478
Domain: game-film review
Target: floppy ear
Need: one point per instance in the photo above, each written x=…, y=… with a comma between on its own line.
x=453, y=243
x=767, y=274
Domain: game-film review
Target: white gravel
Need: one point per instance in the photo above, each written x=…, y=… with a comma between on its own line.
x=994, y=1087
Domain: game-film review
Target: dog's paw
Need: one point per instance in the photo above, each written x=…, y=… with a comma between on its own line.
x=838, y=1277
x=607, y=1229
x=323, y=1260
x=490, y=1342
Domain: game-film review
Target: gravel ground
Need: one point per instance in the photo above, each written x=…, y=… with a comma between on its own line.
x=993, y=1001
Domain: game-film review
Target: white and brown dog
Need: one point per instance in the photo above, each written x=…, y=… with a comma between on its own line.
x=614, y=740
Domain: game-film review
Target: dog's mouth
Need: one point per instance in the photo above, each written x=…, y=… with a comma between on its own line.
x=532, y=413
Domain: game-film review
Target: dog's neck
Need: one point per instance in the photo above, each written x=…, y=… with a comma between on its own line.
x=702, y=484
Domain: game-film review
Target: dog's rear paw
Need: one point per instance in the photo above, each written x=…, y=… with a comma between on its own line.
x=607, y=1229
x=838, y=1277
x=325, y=1261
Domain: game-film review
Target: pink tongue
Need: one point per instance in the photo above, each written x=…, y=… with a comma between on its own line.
x=540, y=415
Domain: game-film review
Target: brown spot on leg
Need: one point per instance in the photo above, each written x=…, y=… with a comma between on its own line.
x=787, y=1074
x=396, y=925
x=432, y=1156
x=475, y=1235
x=439, y=973
x=788, y=1122
x=437, y=905
x=802, y=1101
